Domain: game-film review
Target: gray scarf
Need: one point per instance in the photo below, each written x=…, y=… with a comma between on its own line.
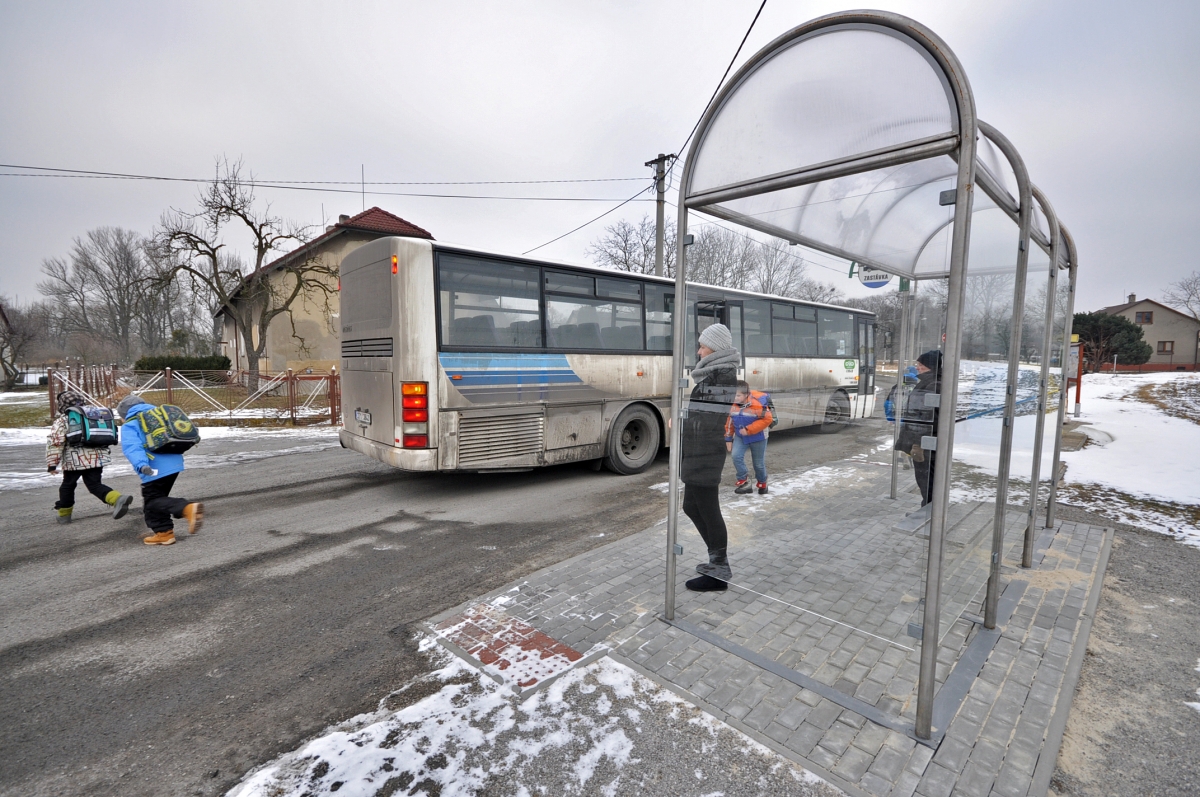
x=718, y=360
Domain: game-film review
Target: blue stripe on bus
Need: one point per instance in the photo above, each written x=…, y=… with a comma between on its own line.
x=502, y=361
x=508, y=369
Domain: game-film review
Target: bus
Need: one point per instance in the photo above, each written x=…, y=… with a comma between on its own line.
x=455, y=359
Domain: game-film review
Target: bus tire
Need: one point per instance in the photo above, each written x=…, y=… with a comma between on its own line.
x=633, y=441
x=837, y=414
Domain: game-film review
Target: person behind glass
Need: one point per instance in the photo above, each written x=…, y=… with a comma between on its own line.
x=919, y=420
x=746, y=430
x=702, y=439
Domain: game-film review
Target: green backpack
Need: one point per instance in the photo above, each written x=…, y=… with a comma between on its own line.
x=167, y=429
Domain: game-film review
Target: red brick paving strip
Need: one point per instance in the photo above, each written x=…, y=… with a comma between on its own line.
x=516, y=651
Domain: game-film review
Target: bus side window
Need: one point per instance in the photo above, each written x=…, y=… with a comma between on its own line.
x=758, y=327
x=660, y=310
x=489, y=304
x=836, y=334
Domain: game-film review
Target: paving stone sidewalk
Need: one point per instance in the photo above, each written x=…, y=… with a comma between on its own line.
x=809, y=651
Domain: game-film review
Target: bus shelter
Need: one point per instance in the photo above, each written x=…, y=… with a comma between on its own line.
x=856, y=135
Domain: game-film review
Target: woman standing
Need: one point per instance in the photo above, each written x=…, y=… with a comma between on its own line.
x=920, y=419
x=702, y=438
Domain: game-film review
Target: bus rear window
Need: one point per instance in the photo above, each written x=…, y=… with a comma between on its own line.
x=489, y=305
x=366, y=298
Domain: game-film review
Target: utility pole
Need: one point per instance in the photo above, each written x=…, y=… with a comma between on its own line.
x=660, y=183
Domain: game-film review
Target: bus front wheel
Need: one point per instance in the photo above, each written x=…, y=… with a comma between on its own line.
x=632, y=441
x=837, y=414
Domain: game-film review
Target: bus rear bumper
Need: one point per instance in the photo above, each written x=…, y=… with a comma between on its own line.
x=423, y=459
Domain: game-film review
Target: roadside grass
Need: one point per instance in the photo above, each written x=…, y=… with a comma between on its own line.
x=1181, y=521
x=20, y=411
x=1179, y=397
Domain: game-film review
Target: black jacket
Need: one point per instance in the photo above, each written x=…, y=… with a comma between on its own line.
x=919, y=420
x=702, y=434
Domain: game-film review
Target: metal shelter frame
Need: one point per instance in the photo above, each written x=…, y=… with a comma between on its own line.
x=961, y=143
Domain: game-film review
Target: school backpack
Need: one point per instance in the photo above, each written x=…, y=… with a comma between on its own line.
x=167, y=429
x=765, y=400
x=91, y=427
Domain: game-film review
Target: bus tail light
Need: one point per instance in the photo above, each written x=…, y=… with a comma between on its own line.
x=395, y=265
x=414, y=402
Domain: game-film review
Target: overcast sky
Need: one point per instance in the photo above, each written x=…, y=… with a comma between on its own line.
x=1102, y=99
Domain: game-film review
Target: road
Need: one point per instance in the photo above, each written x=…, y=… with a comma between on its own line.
x=138, y=670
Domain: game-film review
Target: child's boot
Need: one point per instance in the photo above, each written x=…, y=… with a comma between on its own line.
x=762, y=488
x=160, y=538
x=119, y=503
x=194, y=514
x=743, y=487
x=64, y=515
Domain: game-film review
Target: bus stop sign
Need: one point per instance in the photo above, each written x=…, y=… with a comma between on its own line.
x=873, y=278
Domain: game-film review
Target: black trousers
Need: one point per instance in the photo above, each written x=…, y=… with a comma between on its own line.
x=701, y=505
x=91, y=480
x=158, y=505
x=924, y=472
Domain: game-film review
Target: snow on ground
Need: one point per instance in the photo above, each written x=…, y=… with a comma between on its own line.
x=25, y=397
x=1141, y=465
x=599, y=729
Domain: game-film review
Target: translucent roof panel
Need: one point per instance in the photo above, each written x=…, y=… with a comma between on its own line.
x=837, y=93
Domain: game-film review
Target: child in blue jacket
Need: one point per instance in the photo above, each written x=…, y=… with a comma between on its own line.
x=158, y=473
x=746, y=429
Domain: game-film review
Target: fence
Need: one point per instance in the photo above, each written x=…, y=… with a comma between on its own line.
x=212, y=397
x=1148, y=368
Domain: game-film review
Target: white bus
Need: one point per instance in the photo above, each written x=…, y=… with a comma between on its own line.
x=459, y=360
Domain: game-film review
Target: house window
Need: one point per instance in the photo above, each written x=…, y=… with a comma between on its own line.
x=1143, y=318
x=1166, y=347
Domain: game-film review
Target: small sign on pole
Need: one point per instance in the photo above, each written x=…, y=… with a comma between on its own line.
x=872, y=278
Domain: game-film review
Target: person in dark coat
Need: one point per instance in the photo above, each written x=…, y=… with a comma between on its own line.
x=921, y=420
x=702, y=439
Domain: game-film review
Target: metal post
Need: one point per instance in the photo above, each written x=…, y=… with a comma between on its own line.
x=50, y=389
x=334, y=395
x=961, y=234
x=678, y=384
x=1051, y=502
x=1024, y=220
x=167, y=380
x=660, y=184
x=1040, y=425
x=291, y=387
x=906, y=306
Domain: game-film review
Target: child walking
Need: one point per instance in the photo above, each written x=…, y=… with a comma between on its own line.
x=746, y=430
x=78, y=462
x=158, y=473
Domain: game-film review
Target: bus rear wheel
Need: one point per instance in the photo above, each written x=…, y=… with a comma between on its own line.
x=632, y=441
x=837, y=414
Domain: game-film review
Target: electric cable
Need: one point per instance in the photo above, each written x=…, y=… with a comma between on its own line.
x=592, y=221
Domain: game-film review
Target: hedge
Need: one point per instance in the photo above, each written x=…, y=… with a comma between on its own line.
x=216, y=362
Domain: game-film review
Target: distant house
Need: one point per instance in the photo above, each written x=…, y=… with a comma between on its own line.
x=320, y=331
x=1173, y=336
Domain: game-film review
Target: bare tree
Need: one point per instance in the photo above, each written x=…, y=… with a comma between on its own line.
x=630, y=247
x=192, y=244
x=720, y=256
x=811, y=290
x=20, y=328
x=1185, y=294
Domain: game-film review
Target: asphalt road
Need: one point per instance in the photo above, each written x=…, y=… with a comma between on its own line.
x=128, y=669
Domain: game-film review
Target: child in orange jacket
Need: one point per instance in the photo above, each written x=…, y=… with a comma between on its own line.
x=746, y=429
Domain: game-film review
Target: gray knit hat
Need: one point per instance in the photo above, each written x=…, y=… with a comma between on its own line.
x=716, y=337
x=128, y=403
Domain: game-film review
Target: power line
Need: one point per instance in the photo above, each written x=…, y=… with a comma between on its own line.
x=591, y=221
x=121, y=175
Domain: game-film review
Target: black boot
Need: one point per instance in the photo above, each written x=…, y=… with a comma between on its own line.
x=706, y=584
x=743, y=487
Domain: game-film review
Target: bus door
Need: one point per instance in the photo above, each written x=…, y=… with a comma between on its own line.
x=718, y=311
x=866, y=357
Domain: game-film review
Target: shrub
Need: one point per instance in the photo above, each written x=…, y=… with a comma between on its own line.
x=216, y=362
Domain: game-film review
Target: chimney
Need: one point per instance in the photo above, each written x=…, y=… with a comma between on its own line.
x=342, y=219
x=1132, y=298
x=330, y=228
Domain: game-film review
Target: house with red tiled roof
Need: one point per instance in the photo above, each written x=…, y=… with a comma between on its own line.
x=1174, y=337
x=316, y=343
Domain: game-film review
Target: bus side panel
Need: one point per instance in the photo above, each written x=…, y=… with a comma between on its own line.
x=416, y=331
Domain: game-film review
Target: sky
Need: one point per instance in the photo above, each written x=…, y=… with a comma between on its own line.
x=1101, y=98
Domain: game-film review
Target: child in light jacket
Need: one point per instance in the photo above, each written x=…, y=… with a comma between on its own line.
x=78, y=462
x=746, y=429
x=158, y=473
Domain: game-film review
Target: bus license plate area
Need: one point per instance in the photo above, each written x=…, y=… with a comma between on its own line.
x=363, y=417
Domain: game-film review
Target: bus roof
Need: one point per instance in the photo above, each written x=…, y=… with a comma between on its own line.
x=442, y=245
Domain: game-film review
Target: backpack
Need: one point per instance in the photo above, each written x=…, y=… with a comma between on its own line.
x=91, y=427
x=167, y=429
x=769, y=404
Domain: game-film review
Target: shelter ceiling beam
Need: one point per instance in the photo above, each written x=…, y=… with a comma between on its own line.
x=842, y=167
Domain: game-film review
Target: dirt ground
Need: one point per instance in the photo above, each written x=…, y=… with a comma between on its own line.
x=1130, y=730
